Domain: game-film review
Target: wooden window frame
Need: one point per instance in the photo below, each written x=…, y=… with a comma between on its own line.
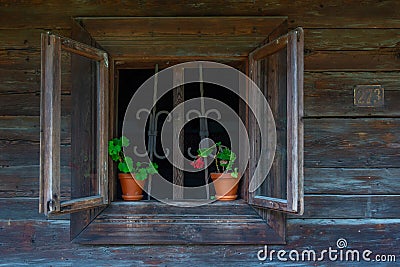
x=50, y=203
x=294, y=42
x=50, y=195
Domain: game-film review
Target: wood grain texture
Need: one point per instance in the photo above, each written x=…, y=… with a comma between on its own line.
x=386, y=59
x=27, y=81
x=180, y=36
x=350, y=39
x=362, y=143
x=27, y=59
x=23, y=209
x=330, y=94
x=28, y=104
x=27, y=128
x=351, y=207
x=25, y=153
x=228, y=27
x=351, y=181
x=357, y=43
x=173, y=50
x=87, y=118
x=361, y=234
x=47, y=242
x=218, y=223
x=25, y=38
x=23, y=181
x=306, y=13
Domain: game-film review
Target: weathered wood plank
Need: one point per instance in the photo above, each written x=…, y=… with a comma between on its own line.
x=20, y=153
x=28, y=59
x=351, y=181
x=207, y=49
x=326, y=103
x=25, y=38
x=13, y=81
x=217, y=232
x=350, y=39
x=153, y=208
x=353, y=143
x=217, y=223
x=351, y=206
x=149, y=36
x=22, y=209
x=87, y=78
x=182, y=26
x=306, y=13
x=375, y=60
x=23, y=181
x=332, y=93
x=378, y=235
x=28, y=128
x=31, y=235
x=328, y=143
x=28, y=104
x=347, y=80
x=25, y=81
x=46, y=242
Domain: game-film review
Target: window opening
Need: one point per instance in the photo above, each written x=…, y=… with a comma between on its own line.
x=193, y=132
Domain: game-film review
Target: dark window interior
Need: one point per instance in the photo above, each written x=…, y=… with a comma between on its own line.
x=131, y=79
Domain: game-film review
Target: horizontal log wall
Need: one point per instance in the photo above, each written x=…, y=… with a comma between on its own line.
x=46, y=242
x=352, y=163
x=351, y=153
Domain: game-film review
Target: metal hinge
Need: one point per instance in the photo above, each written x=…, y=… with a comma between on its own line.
x=105, y=56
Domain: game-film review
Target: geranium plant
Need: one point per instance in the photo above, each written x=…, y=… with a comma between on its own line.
x=224, y=159
x=141, y=170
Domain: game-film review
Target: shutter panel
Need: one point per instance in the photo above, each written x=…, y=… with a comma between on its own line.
x=277, y=68
x=50, y=194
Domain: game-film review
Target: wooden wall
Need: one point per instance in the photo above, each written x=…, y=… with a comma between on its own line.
x=352, y=155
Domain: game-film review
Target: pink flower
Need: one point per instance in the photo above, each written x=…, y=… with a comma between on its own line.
x=198, y=163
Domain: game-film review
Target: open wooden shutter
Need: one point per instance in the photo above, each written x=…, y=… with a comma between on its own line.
x=89, y=143
x=277, y=68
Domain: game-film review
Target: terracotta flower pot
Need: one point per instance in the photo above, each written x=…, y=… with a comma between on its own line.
x=131, y=188
x=225, y=185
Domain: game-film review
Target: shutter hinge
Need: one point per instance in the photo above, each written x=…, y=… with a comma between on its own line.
x=298, y=35
x=48, y=37
x=105, y=59
x=51, y=205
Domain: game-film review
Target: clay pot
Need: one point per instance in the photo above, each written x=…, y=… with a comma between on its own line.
x=131, y=188
x=225, y=185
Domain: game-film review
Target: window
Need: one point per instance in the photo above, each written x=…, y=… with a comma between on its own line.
x=276, y=67
x=89, y=131
x=286, y=98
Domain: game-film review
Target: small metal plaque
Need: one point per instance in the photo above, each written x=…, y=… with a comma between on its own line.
x=369, y=96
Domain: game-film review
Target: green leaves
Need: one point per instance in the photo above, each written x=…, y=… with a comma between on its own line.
x=235, y=173
x=224, y=157
x=125, y=163
x=205, y=152
x=115, y=149
x=142, y=173
x=124, y=141
x=153, y=168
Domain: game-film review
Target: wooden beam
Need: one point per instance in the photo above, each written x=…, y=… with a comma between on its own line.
x=270, y=48
x=49, y=197
x=178, y=133
x=352, y=143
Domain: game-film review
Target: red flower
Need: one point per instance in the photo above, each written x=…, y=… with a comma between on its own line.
x=198, y=163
